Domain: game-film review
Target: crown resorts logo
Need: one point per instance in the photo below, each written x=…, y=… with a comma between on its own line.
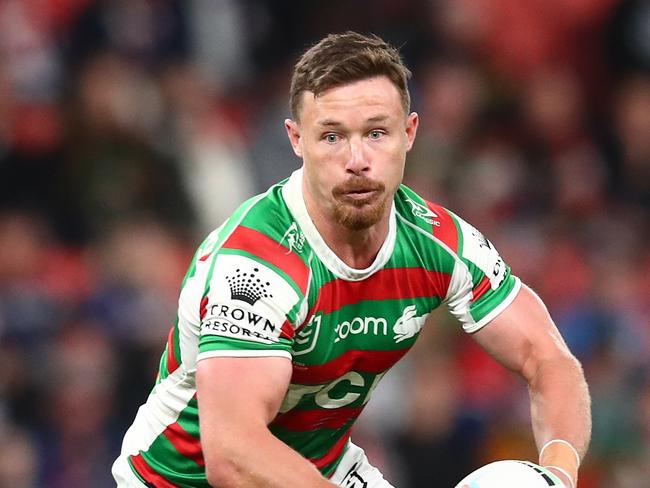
x=248, y=287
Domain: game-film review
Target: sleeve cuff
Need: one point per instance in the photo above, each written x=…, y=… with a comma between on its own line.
x=475, y=327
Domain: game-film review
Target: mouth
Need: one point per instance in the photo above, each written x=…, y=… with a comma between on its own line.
x=359, y=197
x=362, y=194
x=359, y=193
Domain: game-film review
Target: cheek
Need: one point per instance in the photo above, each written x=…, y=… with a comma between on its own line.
x=322, y=164
x=325, y=155
x=318, y=155
x=318, y=179
x=394, y=162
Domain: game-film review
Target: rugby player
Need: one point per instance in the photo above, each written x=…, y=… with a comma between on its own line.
x=294, y=308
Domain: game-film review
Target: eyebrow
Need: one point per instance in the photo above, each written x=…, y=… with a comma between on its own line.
x=329, y=123
x=336, y=123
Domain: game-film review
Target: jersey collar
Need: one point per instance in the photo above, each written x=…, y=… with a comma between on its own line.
x=292, y=194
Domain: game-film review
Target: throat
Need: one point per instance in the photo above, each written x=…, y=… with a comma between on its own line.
x=357, y=257
x=357, y=249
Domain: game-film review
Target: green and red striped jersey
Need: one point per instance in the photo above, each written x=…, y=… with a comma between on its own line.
x=265, y=283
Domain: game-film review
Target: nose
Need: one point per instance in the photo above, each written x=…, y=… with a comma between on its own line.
x=358, y=161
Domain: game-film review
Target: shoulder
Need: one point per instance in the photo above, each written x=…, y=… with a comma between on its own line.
x=450, y=233
x=481, y=283
x=428, y=219
x=262, y=231
x=262, y=216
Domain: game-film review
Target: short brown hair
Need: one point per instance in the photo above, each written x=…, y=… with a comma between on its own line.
x=339, y=59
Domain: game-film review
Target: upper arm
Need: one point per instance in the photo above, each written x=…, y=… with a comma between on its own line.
x=504, y=316
x=235, y=393
x=237, y=397
x=250, y=304
x=523, y=335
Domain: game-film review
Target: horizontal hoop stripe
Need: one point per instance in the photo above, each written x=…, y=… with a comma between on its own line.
x=353, y=360
x=385, y=284
x=309, y=420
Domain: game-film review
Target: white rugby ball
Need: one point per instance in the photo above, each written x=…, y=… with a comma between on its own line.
x=511, y=474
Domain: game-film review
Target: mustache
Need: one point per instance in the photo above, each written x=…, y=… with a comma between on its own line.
x=358, y=184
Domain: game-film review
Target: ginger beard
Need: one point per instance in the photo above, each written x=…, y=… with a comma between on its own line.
x=359, y=203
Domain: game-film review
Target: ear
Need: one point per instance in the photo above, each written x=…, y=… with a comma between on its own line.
x=293, y=131
x=412, y=122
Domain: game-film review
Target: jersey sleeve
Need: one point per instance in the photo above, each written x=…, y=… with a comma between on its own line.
x=482, y=284
x=251, y=304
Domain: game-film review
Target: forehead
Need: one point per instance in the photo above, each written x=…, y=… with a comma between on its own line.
x=370, y=98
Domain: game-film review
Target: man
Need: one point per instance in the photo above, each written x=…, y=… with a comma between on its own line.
x=293, y=310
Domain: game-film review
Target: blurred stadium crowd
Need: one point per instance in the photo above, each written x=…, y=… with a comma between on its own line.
x=130, y=128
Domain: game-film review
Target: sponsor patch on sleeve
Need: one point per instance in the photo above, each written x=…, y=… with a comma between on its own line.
x=247, y=301
x=482, y=253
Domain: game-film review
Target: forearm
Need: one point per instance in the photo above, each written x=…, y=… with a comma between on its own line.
x=561, y=411
x=250, y=456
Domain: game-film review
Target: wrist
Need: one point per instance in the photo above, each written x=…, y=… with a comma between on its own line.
x=565, y=477
x=562, y=458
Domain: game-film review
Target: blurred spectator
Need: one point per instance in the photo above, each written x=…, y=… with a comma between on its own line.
x=147, y=32
x=628, y=46
x=220, y=41
x=569, y=163
x=209, y=147
x=79, y=439
x=138, y=266
x=28, y=49
x=517, y=38
x=27, y=311
x=113, y=168
x=448, y=100
x=19, y=462
x=271, y=158
x=632, y=125
x=438, y=445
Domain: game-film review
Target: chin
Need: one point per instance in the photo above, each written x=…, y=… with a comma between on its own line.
x=355, y=218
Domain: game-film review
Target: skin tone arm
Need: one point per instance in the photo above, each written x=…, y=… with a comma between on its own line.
x=524, y=339
x=238, y=397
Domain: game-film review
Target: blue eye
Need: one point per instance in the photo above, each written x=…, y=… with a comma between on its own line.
x=375, y=134
x=331, y=138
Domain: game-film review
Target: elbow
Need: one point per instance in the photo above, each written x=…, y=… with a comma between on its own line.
x=570, y=362
x=561, y=368
x=221, y=477
x=560, y=364
x=222, y=472
x=565, y=359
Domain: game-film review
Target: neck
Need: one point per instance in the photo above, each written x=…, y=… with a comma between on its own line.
x=356, y=248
